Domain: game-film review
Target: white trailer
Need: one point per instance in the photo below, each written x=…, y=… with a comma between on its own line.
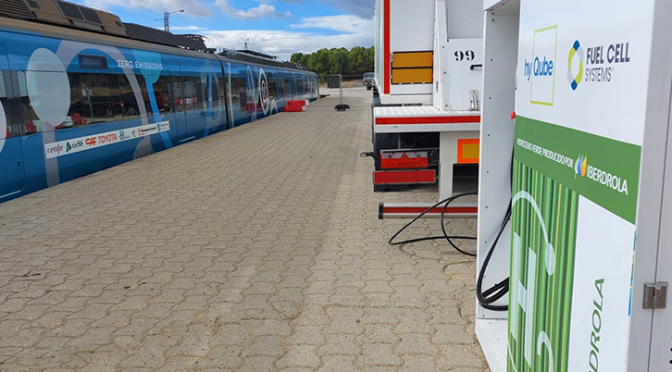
x=428, y=77
x=586, y=166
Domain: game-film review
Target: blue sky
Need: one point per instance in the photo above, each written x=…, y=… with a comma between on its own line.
x=277, y=27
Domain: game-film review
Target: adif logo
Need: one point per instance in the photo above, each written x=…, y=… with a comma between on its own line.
x=581, y=166
x=575, y=53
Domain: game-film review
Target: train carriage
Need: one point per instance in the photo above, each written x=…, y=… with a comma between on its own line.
x=73, y=101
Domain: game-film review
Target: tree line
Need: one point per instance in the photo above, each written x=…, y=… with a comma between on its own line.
x=355, y=61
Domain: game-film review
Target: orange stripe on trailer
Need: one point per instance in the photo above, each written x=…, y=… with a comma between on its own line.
x=468, y=151
x=404, y=177
x=429, y=120
x=386, y=48
x=412, y=75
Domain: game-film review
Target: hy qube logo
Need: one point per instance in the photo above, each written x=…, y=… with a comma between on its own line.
x=540, y=70
x=597, y=64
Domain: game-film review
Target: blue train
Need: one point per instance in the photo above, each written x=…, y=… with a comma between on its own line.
x=75, y=101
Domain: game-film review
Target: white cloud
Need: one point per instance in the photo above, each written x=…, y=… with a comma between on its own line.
x=185, y=28
x=281, y=43
x=191, y=7
x=261, y=11
x=344, y=23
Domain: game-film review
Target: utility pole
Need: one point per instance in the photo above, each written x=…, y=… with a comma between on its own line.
x=166, y=23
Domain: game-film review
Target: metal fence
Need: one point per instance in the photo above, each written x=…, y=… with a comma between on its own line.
x=350, y=91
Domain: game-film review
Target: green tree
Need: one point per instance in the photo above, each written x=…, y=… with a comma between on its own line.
x=355, y=61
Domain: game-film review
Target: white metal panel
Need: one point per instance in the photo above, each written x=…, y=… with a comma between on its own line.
x=406, y=99
x=448, y=158
x=492, y=335
x=411, y=26
x=497, y=133
x=462, y=55
x=425, y=89
x=650, y=219
x=440, y=73
x=502, y=7
x=421, y=128
x=465, y=19
x=417, y=111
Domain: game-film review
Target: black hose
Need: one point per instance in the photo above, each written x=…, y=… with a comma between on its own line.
x=496, y=292
x=487, y=298
x=445, y=235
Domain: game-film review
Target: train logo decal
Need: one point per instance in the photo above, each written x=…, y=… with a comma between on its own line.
x=263, y=90
x=61, y=148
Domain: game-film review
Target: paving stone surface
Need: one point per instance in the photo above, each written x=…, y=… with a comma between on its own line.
x=256, y=249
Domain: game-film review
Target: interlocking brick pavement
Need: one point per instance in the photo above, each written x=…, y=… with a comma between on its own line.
x=257, y=249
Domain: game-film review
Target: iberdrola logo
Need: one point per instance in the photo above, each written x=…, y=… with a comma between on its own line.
x=581, y=165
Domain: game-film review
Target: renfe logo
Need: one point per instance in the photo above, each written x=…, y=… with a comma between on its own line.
x=54, y=150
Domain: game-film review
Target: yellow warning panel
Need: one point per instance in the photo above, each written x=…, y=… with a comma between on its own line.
x=468, y=151
x=412, y=76
x=412, y=59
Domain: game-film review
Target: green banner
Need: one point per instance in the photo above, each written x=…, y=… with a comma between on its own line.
x=544, y=223
x=602, y=170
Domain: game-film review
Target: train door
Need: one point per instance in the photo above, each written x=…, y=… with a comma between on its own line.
x=289, y=86
x=13, y=176
x=183, y=102
x=223, y=89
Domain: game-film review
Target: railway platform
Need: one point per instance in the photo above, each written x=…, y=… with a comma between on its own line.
x=255, y=249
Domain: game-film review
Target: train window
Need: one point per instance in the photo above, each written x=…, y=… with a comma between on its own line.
x=186, y=92
x=299, y=85
x=102, y=98
x=163, y=95
x=281, y=87
x=94, y=98
x=179, y=93
x=90, y=100
x=124, y=96
x=217, y=97
x=31, y=122
x=272, y=88
x=222, y=92
x=3, y=101
x=202, y=91
x=239, y=94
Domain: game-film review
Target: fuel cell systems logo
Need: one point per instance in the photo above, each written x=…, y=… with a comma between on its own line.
x=595, y=63
x=576, y=52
